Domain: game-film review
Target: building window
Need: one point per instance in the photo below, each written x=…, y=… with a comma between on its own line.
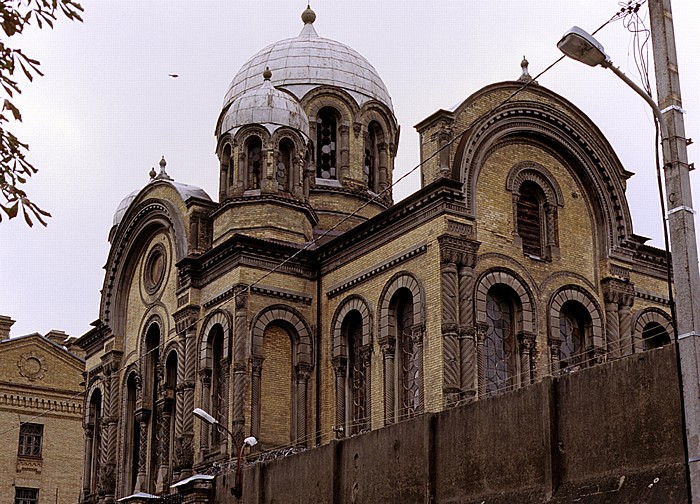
x=501, y=367
x=326, y=141
x=573, y=327
x=26, y=495
x=655, y=336
x=530, y=227
x=30, y=440
x=356, y=379
x=255, y=162
x=283, y=171
x=407, y=357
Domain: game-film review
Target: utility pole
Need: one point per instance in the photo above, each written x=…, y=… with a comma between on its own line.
x=686, y=277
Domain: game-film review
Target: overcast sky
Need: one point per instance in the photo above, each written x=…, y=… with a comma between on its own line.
x=106, y=110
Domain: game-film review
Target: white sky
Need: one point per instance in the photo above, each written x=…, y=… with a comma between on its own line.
x=106, y=109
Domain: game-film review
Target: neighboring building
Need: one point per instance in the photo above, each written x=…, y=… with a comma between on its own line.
x=41, y=406
x=515, y=261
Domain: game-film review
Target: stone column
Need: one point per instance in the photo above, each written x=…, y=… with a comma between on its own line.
x=344, y=160
x=256, y=364
x=554, y=346
x=467, y=350
x=383, y=167
x=550, y=212
x=204, y=428
x=366, y=355
x=87, y=463
x=480, y=330
x=444, y=136
x=107, y=476
x=388, y=349
x=239, y=362
x=526, y=342
x=340, y=367
x=619, y=297
x=450, y=344
x=298, y=176
x=163, y=450
x=303, y=372
x=241, y=183
x=417, y=338
x=142, y=417
x=612, y=327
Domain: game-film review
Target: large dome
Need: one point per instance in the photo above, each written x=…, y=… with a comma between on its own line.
x=302, y=63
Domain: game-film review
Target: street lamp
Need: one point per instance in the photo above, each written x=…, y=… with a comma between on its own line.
x=581, y=46
x=237, y=489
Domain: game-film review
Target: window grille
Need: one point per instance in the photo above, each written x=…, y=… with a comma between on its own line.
x=498, y=343
x=30, y=440
x=26, y=495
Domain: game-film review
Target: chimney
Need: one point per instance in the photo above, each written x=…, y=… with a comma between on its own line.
x=56, y=336
x=5, y=324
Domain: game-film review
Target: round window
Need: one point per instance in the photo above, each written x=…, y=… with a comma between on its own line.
x=154, y=271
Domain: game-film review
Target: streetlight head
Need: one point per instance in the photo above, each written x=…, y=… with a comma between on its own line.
x=580, y=45
x=250, y=441
x=200, y=413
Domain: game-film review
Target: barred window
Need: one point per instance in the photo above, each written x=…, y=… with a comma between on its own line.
x=26, y=495
x=30, y=440
x=499, y=345
x=326, y=130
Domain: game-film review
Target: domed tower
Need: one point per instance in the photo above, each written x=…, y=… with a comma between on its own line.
x=352, y=133
x=263, y=148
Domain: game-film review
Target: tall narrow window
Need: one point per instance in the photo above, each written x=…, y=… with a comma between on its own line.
x=408, y=368
x=356, y=379
x=572, y=331
x=30, y=440
x=371, y=157
x=530, y=218
x=655, y=336
x=26, y=495
x=326, y=132
x=255, y=162
x=131, y=438
x=499, y=344
x=284, y=165
x=218, y=401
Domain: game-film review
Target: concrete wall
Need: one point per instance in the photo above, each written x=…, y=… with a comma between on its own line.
x=609, y=434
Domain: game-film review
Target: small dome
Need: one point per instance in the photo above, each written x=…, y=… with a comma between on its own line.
x=267, y=106
x=302, y=63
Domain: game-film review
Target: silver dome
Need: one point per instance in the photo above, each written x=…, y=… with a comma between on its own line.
x=267, y=106
x=302, y=63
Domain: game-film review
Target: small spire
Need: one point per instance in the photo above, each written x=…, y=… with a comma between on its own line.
x=525, y=73
x=308, y=16
x=163, y=174
x=267, y=74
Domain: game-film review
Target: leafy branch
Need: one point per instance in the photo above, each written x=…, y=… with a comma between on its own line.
x=15, y=167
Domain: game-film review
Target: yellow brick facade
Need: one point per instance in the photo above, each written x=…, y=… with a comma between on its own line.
x=40, y=384
x=303, y=300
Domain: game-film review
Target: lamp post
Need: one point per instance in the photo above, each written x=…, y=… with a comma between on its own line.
x=581, y=46
x=237, y=489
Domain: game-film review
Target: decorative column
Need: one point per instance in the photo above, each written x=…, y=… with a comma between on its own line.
x=619, y=297
x=554, y=346
x=303, y=372
x=340, y=363
x=179, y=406
x=344, y=130
x=186, y=327
x=480, y=330
x=417, y=338
x=444, y=136
x=451, y=350
x=383, y=167
x=163, y=438
x=366, y=356
x=388, y=349
x=107, y=475
x=239, y=361
x=526, y=341
x=241, y=183
x=297, y=177
x=87, y=462
x=205, y=380
x=550, y=212
x=256, y=365
x=142, y=417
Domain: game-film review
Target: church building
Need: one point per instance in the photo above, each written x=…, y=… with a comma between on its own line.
x=301, y=304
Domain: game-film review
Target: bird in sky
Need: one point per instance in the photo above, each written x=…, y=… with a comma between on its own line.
x=174, y=76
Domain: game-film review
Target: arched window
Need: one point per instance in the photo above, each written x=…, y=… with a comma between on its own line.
x=655, y=335
x=284, y=168
x=371, y=168
x=277, y=410
x=530, y=219
x=132, y=437
x=150, y=391
x=255, y=162
x=355, y=381
x=574, y=326
x=326, y=141
x=500, y=347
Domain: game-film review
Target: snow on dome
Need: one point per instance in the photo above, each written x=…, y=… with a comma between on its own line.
x=302, y=63
x=267, y=106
